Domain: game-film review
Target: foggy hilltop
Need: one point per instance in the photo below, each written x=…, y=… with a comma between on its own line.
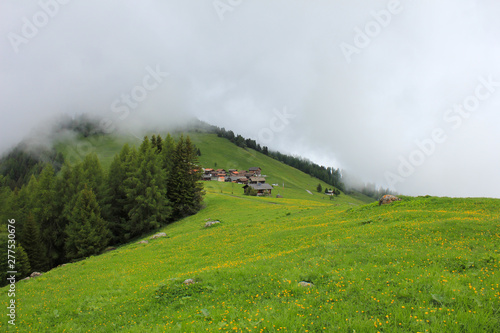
x=401, y=94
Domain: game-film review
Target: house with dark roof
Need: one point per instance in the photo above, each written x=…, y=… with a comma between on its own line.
x=262, y=189
x=255, y=170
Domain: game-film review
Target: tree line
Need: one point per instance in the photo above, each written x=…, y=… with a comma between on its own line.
x=19, y=164
x=82, y=209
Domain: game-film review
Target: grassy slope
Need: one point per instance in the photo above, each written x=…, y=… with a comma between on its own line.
x=361, y=197
x=227, y=156
x=420, y=264
x=214, y=150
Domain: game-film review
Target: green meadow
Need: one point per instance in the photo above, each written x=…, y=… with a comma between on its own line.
x=422, y=264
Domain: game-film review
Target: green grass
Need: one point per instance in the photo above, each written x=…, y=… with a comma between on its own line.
x=419, y=265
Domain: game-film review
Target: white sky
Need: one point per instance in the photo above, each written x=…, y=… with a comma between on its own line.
x=355, y=101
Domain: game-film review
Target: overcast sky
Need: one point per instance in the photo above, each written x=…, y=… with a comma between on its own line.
x=402, y=93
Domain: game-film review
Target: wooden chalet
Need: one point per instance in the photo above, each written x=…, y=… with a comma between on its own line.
x=262, y=189
x=255, y=170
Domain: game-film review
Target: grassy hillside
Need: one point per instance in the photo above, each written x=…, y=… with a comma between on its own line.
x=216, y=153
x=421, y=264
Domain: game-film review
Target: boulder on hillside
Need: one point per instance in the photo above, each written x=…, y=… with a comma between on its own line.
x=143, y=242
x=305, y=284
x=35, y=274
x=387, y=199
x=188, y=282
x=211, y=223
x=158, y=235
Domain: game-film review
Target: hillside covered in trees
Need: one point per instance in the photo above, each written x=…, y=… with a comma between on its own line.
x=82, y=209
x=69, y=211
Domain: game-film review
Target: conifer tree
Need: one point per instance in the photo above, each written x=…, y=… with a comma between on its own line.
x=6, y=202
x=45, y=214
x=21, y=204
x=23, y=267
x=87, y=232
x=24, y=201
x=67, y=186
x=185, y=191
x=34, y=246
x=93, y=176
x=4, y=260
x=148, y=207
x=117, y=195
x=130, y=166
x=159, y=144
x=153, y=141
x=168, y=156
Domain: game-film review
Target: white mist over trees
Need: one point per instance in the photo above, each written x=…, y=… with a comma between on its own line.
x=411, y=69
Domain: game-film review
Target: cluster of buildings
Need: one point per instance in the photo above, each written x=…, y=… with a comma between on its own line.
x=250, y=178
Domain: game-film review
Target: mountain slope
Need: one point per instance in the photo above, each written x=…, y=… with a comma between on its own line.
x=421, y=264
x=216, y=152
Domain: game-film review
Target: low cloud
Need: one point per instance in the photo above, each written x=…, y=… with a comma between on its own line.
x=234, y=63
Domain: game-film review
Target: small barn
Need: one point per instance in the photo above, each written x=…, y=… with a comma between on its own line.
x=262, y=189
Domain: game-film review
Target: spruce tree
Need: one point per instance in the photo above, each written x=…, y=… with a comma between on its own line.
x=22, y=263
x=34, y=245
x=153, y=141
x=6, y=203
x=168, y=156
x=93, y=176
x=4, y=259
x=45, y=213
x=117, y=195
x=159, y=144
x=87, y=232
x=67, y=184
x=26, y=200
x=130, y=166
x=148, y=207
x=185, y=190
